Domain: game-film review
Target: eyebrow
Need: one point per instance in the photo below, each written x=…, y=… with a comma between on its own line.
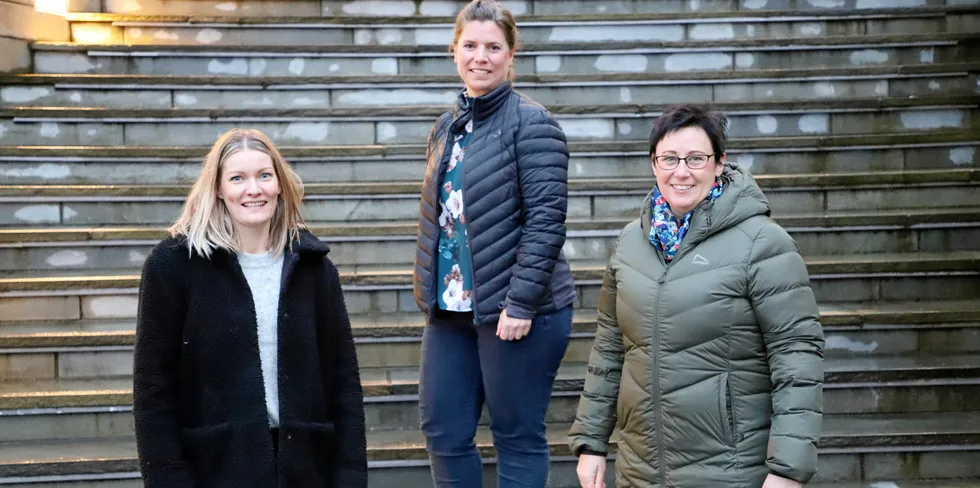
x=476, y=42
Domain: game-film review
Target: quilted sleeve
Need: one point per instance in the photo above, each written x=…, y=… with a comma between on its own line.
x=784, y=305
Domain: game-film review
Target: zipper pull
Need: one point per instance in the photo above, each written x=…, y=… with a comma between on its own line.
x=662, y=278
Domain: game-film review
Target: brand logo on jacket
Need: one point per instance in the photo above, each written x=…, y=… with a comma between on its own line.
x=700, y=260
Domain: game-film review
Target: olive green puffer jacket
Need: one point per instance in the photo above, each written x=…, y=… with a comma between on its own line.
x=710, y=366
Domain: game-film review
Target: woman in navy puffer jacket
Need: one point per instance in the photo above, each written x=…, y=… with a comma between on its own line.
x=489, y=270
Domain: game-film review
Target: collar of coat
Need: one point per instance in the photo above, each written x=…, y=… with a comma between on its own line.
x=741, y=200
x=305, y=243
x=479, y=108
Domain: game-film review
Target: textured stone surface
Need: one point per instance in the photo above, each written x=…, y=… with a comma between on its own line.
x=20, y=21
x=17, y=57
x=40, y=308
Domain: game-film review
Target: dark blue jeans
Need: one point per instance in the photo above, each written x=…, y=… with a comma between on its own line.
x=464, y=366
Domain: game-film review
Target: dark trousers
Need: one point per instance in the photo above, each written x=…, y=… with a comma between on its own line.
x=464, y=366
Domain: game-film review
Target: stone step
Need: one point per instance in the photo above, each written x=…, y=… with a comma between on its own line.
x=366, y=245
x=32, y=410
x=424, y=10
x=588, y=199
x=171, y=91
x=975, y=483
x=851, y=329
x=564, y=58
x=853, y=448
x=69, y=295
x=605, y=159
x=676, y=26
x=412, y=125
x=390, y=344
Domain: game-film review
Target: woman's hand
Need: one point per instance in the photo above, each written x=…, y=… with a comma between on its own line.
x=591, y=471
x=510, y=329
x=772, y=481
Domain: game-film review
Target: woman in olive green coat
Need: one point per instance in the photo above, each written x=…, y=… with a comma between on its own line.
x=708, y=352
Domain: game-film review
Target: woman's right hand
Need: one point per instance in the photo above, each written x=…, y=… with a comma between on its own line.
x=591, y=471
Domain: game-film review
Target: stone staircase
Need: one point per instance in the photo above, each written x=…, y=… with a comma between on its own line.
x=859, y=118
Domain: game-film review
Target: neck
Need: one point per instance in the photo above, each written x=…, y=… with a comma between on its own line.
x=253, y=240
x=679, y=213
x=472, y=94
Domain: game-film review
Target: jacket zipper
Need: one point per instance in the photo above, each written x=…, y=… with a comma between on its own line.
x=656, y=375
x=681, y=251
x=656, y=367
x=462, y=194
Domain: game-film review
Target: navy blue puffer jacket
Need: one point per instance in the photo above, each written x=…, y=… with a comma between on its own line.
x=515, y=197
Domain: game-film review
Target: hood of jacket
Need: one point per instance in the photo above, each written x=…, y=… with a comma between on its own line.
x=741, y=200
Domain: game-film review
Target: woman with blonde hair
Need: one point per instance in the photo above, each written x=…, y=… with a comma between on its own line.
x=489, y=270
x=245, y=373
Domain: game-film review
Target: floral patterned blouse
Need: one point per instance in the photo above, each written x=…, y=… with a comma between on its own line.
x=455, y=264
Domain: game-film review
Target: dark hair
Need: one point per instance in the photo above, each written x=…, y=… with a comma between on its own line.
x=677, y=117
x=488, y=11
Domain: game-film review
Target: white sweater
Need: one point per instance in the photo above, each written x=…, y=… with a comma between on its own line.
x=264, y=273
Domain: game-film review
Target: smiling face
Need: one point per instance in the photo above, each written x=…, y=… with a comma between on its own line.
x=250, y=190
x=682, y=187
x=483, y=58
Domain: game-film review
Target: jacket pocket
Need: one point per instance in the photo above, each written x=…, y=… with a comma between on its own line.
x=307, y=453
x=229, y=455
x=727, y=410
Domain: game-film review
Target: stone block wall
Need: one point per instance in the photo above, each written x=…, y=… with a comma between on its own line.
x=19, y=25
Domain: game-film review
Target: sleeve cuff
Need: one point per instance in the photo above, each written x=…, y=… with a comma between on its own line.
x=518, y=312
x=590, y=452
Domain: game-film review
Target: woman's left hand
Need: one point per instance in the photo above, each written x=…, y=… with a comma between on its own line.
x=511, y=329
x=773, y=481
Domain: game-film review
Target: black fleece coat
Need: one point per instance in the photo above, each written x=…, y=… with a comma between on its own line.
x=199, y=400
x=515, y=198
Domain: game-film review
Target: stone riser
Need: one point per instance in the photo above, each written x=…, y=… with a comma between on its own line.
x=841, y=342
x=306, y=132
x=296, y=64
x=707, y=91
x=26, y=211
x=397, y=355
x=400, y=250
x=581, y=165
x=833, y=469
x=143, y=32
x=442, y=8
x=398, y=298
x=378, y=479
x=403, y=414
x=88, y=483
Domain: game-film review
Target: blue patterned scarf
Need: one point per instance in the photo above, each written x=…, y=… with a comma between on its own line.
x=665, y=233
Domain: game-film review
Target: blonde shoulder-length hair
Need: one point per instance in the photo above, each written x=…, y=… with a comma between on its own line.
x=205, y=221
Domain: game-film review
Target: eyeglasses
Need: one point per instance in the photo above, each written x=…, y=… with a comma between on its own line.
x=694, y=161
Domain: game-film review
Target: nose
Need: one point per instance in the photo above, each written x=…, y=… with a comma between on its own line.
x=682, y=170
x=481, y=54
x=252, y=187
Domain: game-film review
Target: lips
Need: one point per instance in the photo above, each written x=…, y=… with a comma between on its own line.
x=253, y=204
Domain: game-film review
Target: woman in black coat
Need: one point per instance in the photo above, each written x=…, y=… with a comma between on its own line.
x=245, y=371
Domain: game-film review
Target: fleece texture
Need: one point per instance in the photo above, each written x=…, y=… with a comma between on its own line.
x=199, y=400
